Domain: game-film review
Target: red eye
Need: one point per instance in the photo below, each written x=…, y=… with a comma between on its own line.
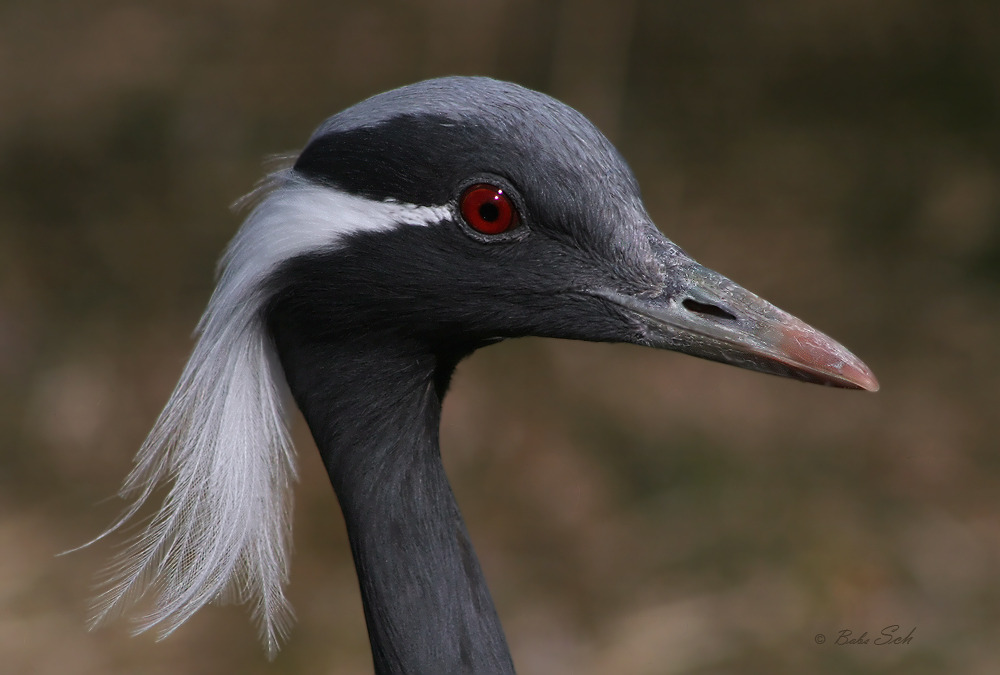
x=487, y=209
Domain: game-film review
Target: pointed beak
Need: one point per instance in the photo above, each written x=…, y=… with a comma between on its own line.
x=707, y=315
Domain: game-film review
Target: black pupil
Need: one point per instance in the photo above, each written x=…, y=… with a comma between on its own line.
x=489, y=212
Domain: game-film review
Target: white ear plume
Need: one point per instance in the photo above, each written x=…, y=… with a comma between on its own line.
x=221, y=441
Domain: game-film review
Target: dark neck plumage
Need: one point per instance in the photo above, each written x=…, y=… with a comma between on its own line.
x=374, y=412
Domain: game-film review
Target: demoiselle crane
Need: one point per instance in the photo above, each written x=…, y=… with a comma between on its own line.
x=414, y=228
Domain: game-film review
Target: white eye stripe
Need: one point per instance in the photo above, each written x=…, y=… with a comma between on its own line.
x=294, y=216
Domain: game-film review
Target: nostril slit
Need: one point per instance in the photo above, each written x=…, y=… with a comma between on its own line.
x=708, y=310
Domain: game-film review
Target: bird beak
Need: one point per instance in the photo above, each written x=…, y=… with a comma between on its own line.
x=709, y=316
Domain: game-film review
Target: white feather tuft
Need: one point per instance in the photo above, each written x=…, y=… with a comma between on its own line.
x=221, y=442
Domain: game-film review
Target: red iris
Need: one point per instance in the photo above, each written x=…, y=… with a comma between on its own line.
x=487, y=209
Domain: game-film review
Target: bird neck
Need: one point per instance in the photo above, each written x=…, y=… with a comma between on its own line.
x=375, y=415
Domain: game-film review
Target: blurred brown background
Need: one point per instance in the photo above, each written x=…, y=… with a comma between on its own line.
x=636, y=512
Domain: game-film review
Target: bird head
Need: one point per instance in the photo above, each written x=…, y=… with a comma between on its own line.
x=456, y=212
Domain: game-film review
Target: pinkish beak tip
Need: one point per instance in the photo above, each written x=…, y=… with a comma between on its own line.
x=807, y=348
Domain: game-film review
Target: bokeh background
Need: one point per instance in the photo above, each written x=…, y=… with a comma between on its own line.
x=636, y=512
